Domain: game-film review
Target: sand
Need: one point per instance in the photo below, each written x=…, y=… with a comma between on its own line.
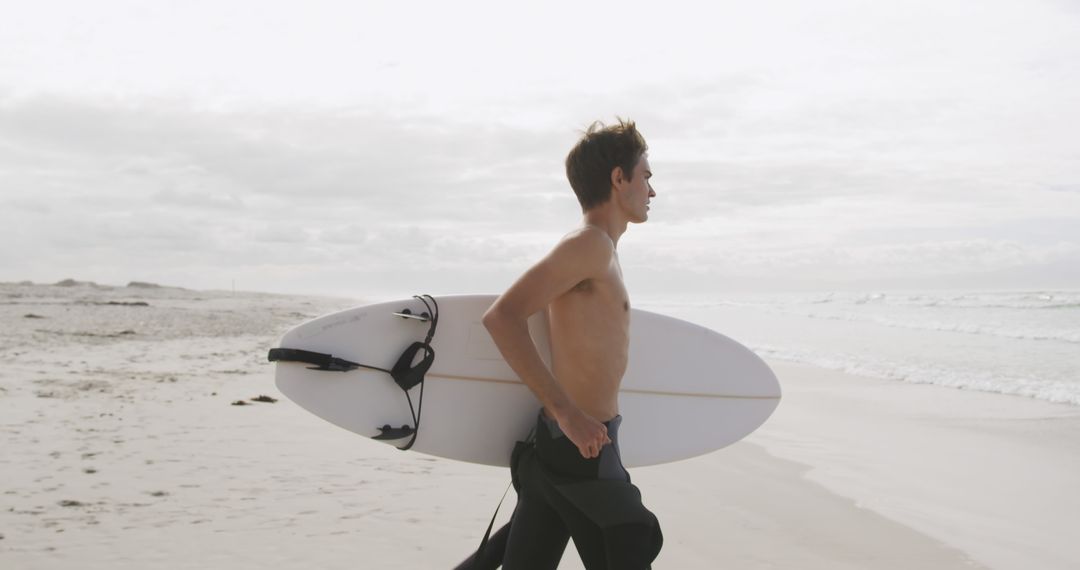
x=122, y=450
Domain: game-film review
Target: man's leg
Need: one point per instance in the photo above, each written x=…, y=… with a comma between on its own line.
x=600, y=509
x=491, y=556
x=537, y=535
x=588, y=538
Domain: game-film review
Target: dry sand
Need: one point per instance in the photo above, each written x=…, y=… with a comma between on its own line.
x=121, y=450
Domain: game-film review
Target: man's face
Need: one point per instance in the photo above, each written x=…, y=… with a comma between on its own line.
x=637, y=193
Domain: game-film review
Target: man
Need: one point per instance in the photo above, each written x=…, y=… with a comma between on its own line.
x=570, y=480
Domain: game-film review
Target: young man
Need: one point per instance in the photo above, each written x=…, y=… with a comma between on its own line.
x=570, y=479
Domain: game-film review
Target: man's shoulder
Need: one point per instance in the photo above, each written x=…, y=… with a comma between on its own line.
x=588, y=249
x=588, y=239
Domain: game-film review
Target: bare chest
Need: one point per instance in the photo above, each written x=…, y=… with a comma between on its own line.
x=594, y=315
x=590, y=326
x=604, y=295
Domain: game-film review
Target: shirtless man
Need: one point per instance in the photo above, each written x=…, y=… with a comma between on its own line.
x=579, y=284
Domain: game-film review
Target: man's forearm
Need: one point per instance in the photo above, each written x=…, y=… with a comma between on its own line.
x=511, y=336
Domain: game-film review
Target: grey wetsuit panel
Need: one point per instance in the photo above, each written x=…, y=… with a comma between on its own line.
x=607, y=466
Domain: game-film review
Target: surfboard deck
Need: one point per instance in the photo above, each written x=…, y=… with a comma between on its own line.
x=687, y=390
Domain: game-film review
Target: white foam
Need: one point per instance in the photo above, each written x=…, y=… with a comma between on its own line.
x=1025, y=315
x=1048, y=390
x=1000, y=329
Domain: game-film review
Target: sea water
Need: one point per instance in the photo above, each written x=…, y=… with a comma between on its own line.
x=1023, y=343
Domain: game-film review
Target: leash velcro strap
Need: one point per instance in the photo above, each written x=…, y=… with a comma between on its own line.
x=405, y=373
x=320, y=360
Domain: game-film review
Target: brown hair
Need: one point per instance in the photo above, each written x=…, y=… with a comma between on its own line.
x=600, y=150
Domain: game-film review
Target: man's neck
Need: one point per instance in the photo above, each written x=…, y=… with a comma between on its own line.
x=604, y=218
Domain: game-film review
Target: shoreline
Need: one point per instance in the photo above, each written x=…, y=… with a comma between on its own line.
x=990, y=474
x=743, y=507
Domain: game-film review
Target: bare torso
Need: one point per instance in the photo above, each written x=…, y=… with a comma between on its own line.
x=590, y=340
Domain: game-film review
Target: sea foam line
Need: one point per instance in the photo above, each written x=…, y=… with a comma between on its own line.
x=1048, y=390
x=1070, y=336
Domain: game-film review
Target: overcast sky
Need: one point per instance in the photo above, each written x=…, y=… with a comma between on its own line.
x=359, y=148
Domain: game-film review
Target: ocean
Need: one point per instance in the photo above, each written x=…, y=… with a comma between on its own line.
x=1020, y=343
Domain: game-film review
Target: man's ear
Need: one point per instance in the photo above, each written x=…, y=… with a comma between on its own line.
x=617, y=176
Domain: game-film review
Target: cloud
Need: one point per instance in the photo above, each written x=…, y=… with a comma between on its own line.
x=835, y=154
x=157, y=184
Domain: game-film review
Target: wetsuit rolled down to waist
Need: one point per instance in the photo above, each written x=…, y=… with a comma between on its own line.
x=562, y=458
x=561, y=495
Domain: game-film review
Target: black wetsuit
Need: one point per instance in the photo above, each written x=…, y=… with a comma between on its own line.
x=562, y=495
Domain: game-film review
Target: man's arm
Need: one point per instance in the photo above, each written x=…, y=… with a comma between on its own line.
x=584, y=254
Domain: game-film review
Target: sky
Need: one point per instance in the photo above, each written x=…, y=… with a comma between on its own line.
x=366, y=148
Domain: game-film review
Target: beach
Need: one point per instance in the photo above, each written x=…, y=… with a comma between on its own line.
x=123, y=449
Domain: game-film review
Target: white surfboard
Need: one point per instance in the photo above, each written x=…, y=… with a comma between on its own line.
x=687, y=390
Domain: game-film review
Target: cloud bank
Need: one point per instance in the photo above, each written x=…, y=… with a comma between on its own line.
x=842, y=145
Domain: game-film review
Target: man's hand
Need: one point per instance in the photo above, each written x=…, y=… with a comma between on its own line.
x=586, y=432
